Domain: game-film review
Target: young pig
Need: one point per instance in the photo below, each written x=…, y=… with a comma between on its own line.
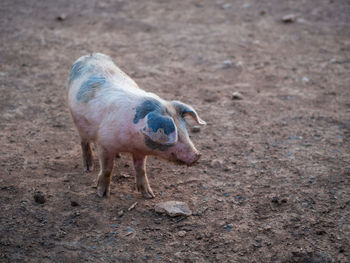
x=110, y=110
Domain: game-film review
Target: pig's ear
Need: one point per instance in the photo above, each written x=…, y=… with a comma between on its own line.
x=186, y=110
x=160, y=129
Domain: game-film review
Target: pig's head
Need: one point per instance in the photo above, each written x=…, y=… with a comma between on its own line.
x=164, y=130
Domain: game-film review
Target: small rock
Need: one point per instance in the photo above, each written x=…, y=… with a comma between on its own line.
x=173, y=208
x=227, y=64
x=120, y=213
x=196, y=129
x=39, y=198
x=226, y=6
x=290, y=18
x=73, y=203
x=305, y=79
x=130, y=229
x=216, y=163
x=267, y=227
x=181, y=233
x=228, y=227
x=239, y=63
x=61, y=17
x=237, y=96
x=124, y=175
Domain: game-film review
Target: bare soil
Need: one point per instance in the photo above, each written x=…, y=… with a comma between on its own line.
x=273, y=181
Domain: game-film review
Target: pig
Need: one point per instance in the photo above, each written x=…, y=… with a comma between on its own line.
x=112, y=112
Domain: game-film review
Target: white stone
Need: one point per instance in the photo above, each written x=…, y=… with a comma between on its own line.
x=173, y=208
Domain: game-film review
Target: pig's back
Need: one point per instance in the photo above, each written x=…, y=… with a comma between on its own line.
x=98, y=91
x=97, y=69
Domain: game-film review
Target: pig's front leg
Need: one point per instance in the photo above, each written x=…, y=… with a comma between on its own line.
x=104, y=178
x=142, y=184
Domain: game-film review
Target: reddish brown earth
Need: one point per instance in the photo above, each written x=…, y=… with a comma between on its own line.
x=273, y=182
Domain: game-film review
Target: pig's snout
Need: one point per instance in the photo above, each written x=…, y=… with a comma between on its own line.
x=188, y=160
x=197, y=156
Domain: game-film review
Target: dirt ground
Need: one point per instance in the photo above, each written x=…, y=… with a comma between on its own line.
x=273, y=184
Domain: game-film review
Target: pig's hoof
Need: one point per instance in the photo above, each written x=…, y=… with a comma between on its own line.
x=146, y=192
x=88, y=169
x=103, y=190
x=148, y=195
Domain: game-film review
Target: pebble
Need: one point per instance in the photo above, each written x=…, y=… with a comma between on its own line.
x=130, y=229
x=216, y=163
x=226, y=6
x=228, y=227
x=237, y=96
x=305, y=79
x=39, y=198
x=181, y=233
x=173, y=208
x=120, y=213
x=227, y=64
x=196, y=129
x=267, y=227
x=124, y=175
x=61, y=17
x=290, y=18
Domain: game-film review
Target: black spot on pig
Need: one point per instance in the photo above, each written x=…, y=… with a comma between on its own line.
x=79, y=68
x=155, y=121
x=146, y=107
x=87, y=90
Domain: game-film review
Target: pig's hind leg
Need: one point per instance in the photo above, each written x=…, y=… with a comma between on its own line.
x=142, y=184
x=106, y=168
x=87, y=156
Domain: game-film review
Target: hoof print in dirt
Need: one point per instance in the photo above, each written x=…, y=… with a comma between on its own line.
x=276, y=201
x=173, y=208
x=39, y=198
x=74, y=203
